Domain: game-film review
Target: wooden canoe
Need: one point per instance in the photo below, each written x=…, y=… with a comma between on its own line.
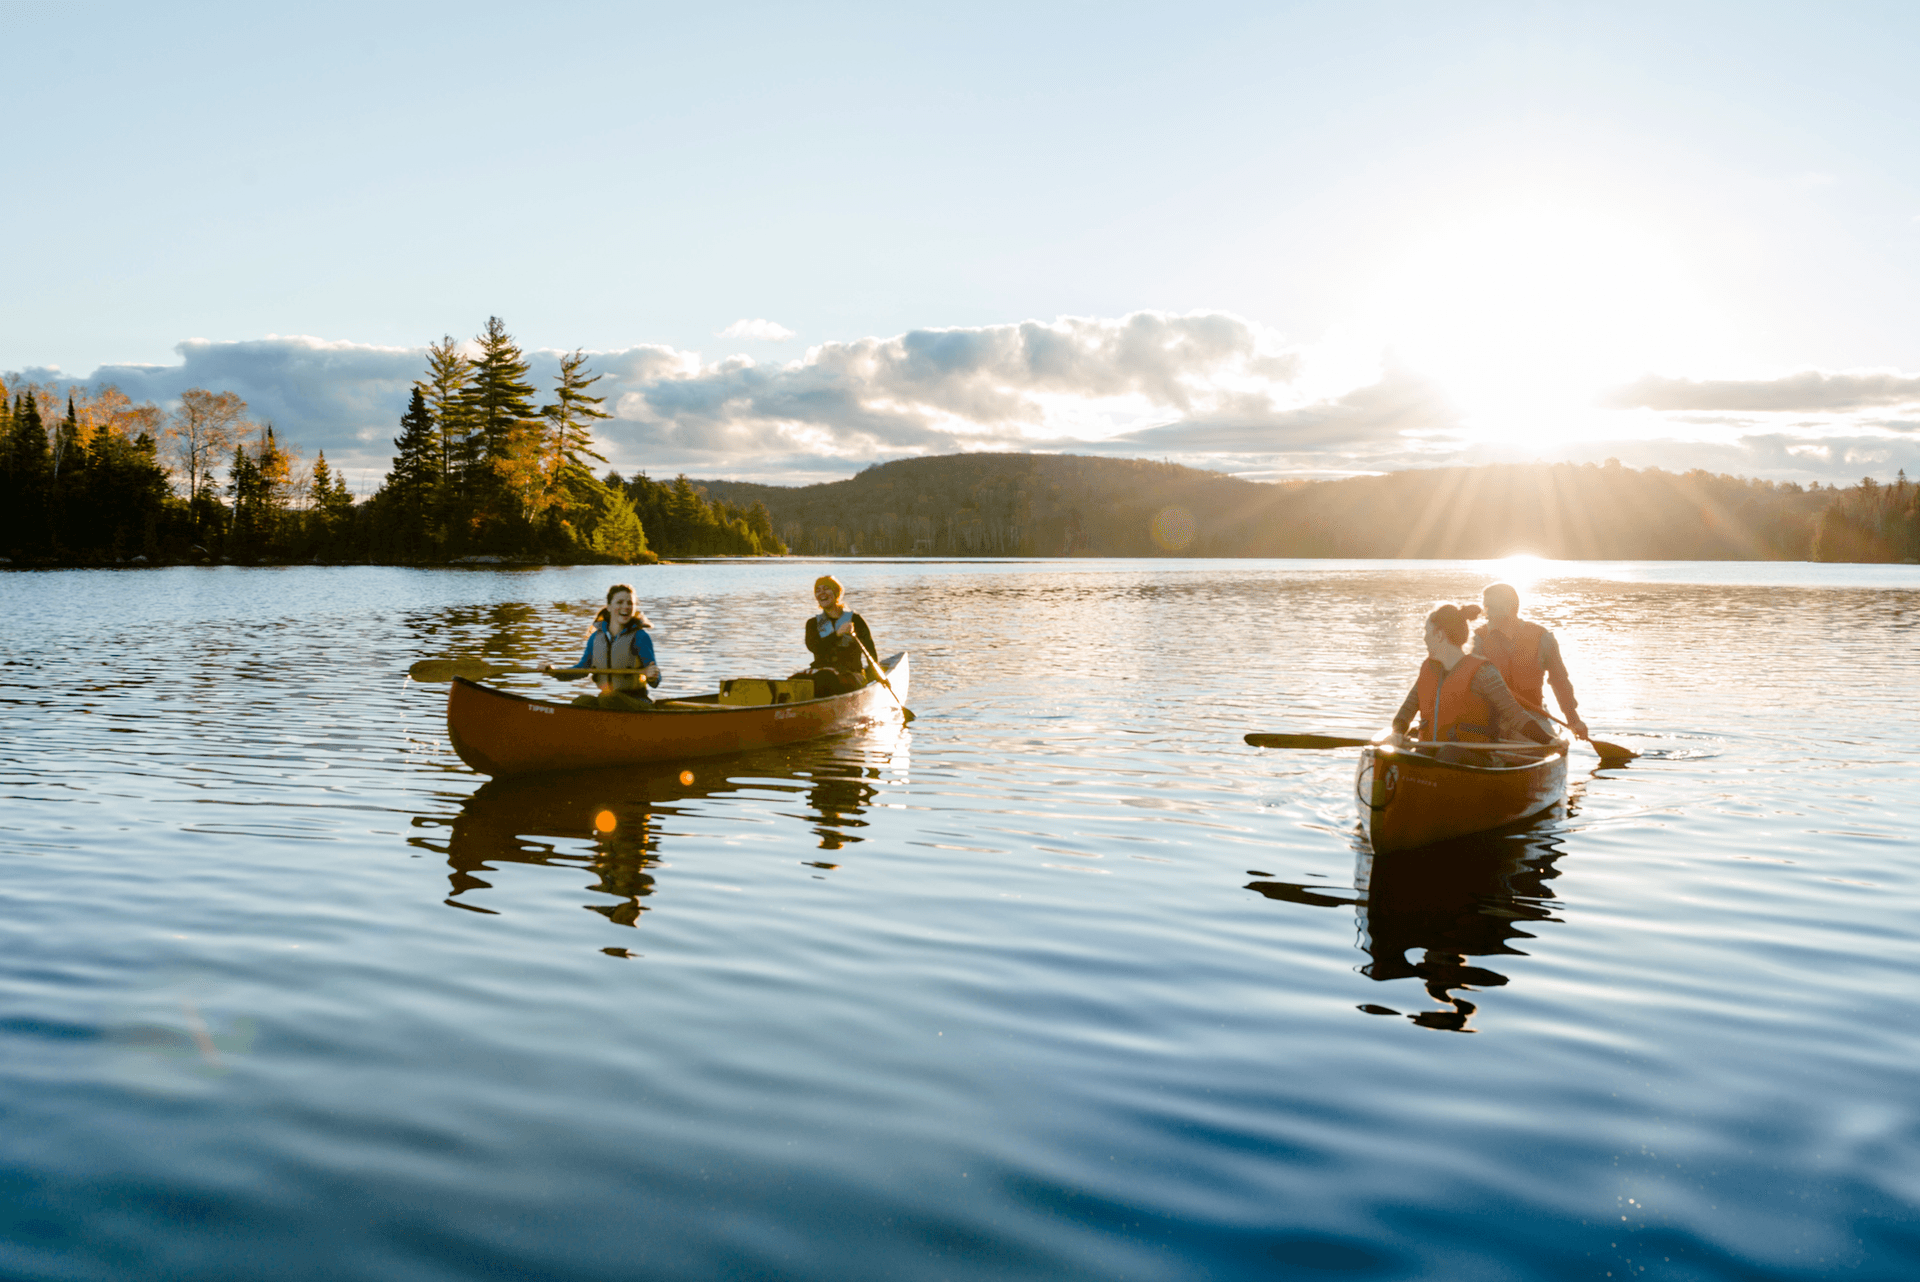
x=1410, y=797
x=498, y=733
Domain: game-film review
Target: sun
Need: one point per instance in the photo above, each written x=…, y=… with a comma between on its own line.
x=1524, y=309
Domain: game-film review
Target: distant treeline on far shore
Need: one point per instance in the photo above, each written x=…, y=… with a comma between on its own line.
x=480, y=473
x=1068, y=505
x=483, y=473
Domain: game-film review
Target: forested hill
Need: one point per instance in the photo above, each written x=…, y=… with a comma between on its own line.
x=1067, y=505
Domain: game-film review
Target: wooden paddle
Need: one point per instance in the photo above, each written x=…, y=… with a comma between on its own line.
x=1609, y=752
x=905, y=712
x=1305, y=741
x=430, y=670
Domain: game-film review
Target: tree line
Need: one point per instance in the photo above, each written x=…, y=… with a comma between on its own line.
x=1068, y=505
x=479, y=472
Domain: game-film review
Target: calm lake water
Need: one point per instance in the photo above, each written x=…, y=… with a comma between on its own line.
x=1064, y=981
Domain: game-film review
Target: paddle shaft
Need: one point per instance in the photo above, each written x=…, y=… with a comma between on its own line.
x=1600, y=746
x=481, y=670
x=878, y=671
x=1311, y=742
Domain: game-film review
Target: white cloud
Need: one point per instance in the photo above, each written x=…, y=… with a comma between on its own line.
x=1809, y=390
x=1206, y=388
x=765, y=331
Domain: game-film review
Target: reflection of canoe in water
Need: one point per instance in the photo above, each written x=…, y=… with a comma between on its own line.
x=1423, y=914
x=1410, y=799
x=498, y=733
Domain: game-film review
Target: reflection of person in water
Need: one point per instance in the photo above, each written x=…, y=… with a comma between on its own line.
x=1470, y=898
x=840, y=800
x=507, y=819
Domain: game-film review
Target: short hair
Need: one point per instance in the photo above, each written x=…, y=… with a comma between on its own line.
x=1505, y=593
x=828, y=581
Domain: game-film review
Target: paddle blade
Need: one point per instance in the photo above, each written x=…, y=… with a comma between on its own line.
x=1305, y=741
x=1612, y=752
x=430, y=670
x=907, y=714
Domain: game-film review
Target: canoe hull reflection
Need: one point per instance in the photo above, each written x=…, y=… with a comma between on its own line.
x=498, y=733
x=1409, y=799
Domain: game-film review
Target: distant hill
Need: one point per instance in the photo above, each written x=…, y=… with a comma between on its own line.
x=1071, y=505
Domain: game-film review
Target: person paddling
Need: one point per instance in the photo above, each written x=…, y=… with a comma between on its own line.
x=1460, y=697
x=1526, y=655
x=839, y=641
x=618, y=639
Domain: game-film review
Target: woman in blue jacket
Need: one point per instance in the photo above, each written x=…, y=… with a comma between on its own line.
x=618, y=639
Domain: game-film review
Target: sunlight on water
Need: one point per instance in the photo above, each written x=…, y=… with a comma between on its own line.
x=1063, y=980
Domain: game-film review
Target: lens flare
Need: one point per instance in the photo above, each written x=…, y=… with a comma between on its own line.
x=604, y=821
x=1173, y=528
x=686, y=778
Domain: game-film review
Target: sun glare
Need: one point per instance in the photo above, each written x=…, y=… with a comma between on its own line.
x=1520, y=569
x=1524, y=310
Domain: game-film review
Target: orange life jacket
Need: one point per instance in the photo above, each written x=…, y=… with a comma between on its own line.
x=1516, y=659
x=1449, y=709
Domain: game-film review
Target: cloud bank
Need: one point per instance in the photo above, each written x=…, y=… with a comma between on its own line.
x=1206, y=388
x=1808, y=391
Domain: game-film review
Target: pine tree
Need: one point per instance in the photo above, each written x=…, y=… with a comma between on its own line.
x=617, y=532
x=572, y=414
x=332, y=505
x=243, y=487
x=445, y=393
x=509, y=431
x=28, y=469
x=68, y=450
x=413, y=485
x=339, y=502
x=499, y=397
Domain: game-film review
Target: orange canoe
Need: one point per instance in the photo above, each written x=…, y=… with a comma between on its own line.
x=498, y=733
x=1410, y=798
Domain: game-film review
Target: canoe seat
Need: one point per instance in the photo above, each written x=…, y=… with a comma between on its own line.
x=752, y=692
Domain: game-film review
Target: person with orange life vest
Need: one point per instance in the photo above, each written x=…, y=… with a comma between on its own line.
x=1460, y=697
x=1527, y=656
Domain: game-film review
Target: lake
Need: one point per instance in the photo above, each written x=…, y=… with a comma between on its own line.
x=1063, y=981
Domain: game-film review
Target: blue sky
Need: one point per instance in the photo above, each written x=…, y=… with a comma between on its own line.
x=1276, y=239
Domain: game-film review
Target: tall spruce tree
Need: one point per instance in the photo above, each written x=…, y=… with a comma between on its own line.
x=68, y=450
x=244, y=488
x=32, y=467
x=413, y=486
x=509, y=431
x=445, y=392
x=569, y=480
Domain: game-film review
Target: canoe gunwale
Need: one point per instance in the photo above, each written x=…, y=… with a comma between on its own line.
x=1548, y=752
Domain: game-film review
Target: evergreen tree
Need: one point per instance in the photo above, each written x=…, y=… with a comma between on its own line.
x=244, y=488
x=24, y=526
x=330, y=510
x=338, y=501
x=68, y=449
x=572, y=414
x=412, y=489
x=617, y=531
x=445, y=392
x=509, y=432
